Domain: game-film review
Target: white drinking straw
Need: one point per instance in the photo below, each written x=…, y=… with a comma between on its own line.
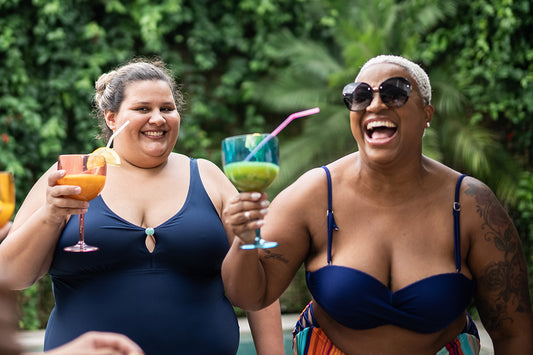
x=117, y=132
x=280, y=127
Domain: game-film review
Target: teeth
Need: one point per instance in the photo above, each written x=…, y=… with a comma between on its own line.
x=374, y=124
x=154, y=134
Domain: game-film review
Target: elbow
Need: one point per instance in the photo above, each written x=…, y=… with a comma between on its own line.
x=245, y=299
x=14, y=280
x=16, y=283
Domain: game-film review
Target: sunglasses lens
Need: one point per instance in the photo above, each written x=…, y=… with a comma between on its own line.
x=357, y=96
x=395, y=91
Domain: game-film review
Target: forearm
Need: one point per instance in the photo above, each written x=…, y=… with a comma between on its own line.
x=27, y=252
x=266, y=330
x=244, y=278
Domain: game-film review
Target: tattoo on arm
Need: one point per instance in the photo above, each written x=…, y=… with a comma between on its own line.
x=506, y=279
x=269, y=254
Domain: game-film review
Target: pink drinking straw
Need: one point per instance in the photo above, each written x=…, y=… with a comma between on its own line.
x=278, y=129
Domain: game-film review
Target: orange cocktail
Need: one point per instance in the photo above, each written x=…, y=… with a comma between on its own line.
x=7, y=197
x=88, y=172
x=91, y=185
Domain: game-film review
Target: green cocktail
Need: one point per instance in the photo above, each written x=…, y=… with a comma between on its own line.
x=250, y=161
x=251, y=175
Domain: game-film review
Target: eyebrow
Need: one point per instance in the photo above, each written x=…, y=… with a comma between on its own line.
x=151, y=103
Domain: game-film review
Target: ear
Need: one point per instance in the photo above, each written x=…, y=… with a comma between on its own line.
x=110, y=119
x=429, y=110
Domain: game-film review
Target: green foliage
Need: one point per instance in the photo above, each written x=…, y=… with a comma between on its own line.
x=524, y=217
x=35, y=304
x=488, y=49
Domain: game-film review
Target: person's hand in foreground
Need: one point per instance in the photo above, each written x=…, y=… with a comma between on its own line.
x=98, y=343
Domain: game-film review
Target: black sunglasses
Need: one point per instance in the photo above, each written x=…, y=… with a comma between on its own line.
x=394, y=92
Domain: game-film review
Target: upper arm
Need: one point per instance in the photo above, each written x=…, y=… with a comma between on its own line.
x=287, y=223
x=497, y=262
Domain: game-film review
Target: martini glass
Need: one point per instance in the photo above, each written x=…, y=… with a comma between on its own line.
x=7, y=197
x=89, y=173
x=251, y=162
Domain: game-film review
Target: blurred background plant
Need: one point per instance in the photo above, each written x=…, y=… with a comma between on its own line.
x=244, y=65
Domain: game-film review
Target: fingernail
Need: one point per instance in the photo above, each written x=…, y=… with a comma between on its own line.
x=264, y=203
x=260, y=222
x=263, y=211
x=255, y=195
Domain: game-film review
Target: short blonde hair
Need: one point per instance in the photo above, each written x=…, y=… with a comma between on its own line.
x=415, y=71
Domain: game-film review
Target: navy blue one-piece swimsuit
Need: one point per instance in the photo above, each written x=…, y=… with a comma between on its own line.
x=170, y=301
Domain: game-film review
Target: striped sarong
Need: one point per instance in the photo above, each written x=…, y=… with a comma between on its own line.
x=309, y=339
x=464, y=344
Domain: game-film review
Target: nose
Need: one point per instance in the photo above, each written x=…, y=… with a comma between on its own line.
x=157, y=118
x=376, y=104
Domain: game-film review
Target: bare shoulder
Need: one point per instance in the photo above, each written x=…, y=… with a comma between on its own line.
x=208, y=165
x=216, y=184
x=307, y=188
x=210, y=172
x=495, y=258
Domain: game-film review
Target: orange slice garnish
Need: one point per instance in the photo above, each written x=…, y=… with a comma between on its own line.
x=95, y=161
x=111, y=157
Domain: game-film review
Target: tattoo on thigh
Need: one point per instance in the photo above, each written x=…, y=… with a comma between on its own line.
x=506, y=279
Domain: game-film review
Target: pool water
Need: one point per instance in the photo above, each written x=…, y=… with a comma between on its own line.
x=246, y=345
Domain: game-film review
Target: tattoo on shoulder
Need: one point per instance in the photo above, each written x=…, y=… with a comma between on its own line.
x=506, y=279
x=269, y=254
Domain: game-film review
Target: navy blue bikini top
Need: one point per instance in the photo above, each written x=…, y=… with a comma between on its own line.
x=357, y=300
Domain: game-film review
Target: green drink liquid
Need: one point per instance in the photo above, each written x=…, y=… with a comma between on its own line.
x=251, y=175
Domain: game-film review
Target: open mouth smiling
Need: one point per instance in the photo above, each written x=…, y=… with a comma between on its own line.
x=380, y=130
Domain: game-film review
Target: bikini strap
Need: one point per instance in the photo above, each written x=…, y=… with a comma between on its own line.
x=331, y=220
x=456, y=226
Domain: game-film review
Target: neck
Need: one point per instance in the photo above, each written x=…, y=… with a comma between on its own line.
x=149, y=166
x=392, y=183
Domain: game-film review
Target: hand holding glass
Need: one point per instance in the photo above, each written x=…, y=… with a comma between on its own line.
x=89, y=173
x=251, y=172
x=7, y=197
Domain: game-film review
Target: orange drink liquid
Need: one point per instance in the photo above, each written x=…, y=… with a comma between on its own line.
x=7, y=197
x=91, y=185
x=6, y=212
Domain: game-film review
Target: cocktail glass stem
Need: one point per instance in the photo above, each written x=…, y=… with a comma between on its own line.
x=81, y=247
x=259, y=243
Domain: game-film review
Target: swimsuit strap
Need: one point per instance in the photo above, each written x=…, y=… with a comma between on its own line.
x=456, y=226
x=331, y=220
